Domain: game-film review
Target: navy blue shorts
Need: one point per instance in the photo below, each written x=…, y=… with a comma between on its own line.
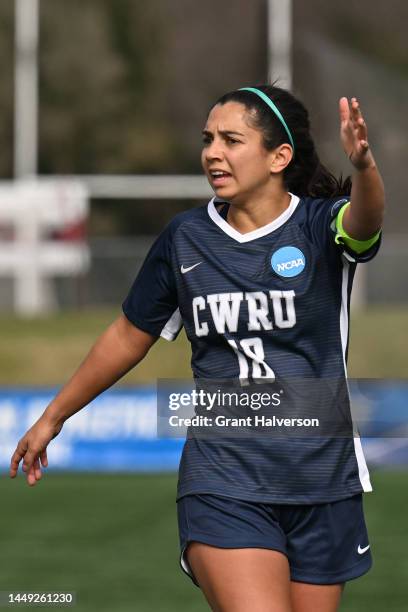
x=324, y=543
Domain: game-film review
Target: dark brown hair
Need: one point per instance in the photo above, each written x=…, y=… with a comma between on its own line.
x=305, y=175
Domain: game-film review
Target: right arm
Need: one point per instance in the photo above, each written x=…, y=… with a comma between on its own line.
x=117, y=350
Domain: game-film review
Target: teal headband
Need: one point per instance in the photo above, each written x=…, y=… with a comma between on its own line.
x=273, y=106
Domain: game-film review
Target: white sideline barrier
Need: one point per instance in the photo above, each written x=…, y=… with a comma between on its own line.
x=29, y=210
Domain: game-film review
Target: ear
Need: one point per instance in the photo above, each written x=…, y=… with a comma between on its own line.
x=280, y=158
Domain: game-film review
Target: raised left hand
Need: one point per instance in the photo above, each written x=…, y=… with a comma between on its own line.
x=353, y=134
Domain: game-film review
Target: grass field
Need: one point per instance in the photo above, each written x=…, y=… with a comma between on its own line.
x=113, y=540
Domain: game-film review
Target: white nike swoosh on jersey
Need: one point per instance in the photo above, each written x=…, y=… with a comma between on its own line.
x=362, y=550
x=184, y=270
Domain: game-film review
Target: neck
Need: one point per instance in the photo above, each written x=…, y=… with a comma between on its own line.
x=255, y=212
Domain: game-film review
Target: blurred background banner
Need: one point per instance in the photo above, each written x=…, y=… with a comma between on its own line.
x=118, y=430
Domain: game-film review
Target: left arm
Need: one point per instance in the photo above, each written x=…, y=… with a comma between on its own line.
x=363, y=218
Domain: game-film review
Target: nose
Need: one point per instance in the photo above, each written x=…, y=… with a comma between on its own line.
x=214, y=151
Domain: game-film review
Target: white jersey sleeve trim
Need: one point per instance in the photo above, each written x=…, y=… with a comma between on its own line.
x=344, y=330
x=172, y=327
x=348, y=257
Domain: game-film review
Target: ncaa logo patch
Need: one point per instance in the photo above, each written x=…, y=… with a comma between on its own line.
x=288, y=261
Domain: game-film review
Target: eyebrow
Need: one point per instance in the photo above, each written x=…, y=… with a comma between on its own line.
x=208, y=133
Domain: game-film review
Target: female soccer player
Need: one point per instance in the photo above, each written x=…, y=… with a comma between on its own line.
x=260, y=278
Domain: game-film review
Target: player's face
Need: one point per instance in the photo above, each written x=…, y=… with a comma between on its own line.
x=235, y=148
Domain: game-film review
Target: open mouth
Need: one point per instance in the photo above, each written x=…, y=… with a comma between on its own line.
x=219, y=177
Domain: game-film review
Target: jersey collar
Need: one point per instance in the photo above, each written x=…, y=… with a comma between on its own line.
x=257, y=233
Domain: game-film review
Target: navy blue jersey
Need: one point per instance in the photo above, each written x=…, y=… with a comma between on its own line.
x=271, y=303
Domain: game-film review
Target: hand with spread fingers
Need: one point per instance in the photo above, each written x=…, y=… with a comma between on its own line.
x=353, y=134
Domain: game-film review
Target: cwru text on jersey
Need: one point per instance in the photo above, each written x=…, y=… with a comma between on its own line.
x=266, y=310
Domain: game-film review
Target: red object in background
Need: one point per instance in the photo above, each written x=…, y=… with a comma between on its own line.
x=77, y=232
